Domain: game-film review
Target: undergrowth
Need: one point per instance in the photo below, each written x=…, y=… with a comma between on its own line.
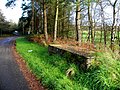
x=104, y=74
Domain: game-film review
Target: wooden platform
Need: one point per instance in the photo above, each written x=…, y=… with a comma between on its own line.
x=81, y=58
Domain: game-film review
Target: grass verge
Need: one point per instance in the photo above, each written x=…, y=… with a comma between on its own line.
x=51, y=70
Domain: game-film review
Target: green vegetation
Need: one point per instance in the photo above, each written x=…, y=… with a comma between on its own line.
x=6, y=27
x=51, y=70
x=99, y=39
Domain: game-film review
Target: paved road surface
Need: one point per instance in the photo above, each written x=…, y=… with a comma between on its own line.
x=10, y=76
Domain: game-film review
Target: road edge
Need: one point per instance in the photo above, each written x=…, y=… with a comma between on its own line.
x=32, y=81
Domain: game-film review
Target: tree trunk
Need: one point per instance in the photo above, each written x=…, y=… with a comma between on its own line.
x=45, y=21
x=32, y=16
x=23, y=28
x=118, y=34
x=103, y=23
x=101, y=35
x=68, y=27
x=119, y=37
x=0, y=32
x=113, y=30
x=113, y=25
x=105, y=35
x=63, y=23
x=90, y=23
x=78, y=23
x=56, y=22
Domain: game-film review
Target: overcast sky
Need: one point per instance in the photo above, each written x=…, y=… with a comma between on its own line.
x=15, y=13
x=11, y=14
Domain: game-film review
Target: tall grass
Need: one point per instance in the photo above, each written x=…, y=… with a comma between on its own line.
x=104, y=74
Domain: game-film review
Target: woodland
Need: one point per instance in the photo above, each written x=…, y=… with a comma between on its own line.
x=82, y=25
x=84, y=21
x=6, y=27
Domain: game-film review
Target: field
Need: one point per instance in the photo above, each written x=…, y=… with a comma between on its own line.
x=99, y=36
x=99, y=39
x=104, y=74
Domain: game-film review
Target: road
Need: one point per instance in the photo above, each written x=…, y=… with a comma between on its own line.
x=11, y=77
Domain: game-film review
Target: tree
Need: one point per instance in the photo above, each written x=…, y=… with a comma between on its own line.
x=90, y=22
x=10, y=3
x=113, y=23
x=78, y=22
x=45, y=20
x=56, y=21
x=2, y=22
x=32, y=21
x=103, y=21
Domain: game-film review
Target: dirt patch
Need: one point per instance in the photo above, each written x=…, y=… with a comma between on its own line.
x=33, y=83
x=1, y=38
x=66, y=43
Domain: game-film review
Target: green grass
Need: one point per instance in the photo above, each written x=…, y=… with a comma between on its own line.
x=103, y=75
x=97, y=36
x=99, y=41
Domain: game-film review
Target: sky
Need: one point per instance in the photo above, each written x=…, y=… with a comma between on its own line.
x=11, y=14
x=15, y=13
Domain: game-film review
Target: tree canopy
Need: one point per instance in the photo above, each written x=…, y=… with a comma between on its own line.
x=6, y=27
x=71, y=18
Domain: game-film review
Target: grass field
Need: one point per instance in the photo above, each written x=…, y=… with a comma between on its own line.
x=104, y=74
x=99, y=39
